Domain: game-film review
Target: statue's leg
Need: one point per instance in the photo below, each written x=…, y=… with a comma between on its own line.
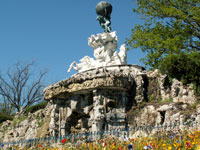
x=107, y=26
x=109, y=29
x=72, y=66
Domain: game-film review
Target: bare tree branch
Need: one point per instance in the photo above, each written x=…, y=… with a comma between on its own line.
x=17, y=89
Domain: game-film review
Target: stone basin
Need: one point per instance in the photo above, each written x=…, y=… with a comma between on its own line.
x=116, y=77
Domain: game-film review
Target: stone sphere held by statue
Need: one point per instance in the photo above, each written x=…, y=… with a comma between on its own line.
x=104, y=8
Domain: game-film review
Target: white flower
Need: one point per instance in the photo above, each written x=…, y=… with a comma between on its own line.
x=148, y=147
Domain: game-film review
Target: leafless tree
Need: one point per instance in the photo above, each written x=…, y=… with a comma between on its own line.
x=19, y=89
x=6, y=107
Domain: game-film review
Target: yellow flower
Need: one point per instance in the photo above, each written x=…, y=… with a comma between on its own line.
x=175, y=144
x=169, y=147
x=198, y=147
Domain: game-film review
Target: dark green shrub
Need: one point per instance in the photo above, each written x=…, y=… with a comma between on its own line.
x=185, y=67
x=36, y=107
x=4, y=117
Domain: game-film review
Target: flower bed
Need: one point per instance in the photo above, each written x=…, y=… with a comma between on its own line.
x=186, y=141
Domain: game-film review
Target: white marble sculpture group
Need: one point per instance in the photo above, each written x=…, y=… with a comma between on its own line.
x=104, y=45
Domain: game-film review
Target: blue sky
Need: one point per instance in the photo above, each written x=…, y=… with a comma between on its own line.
x=55, y=33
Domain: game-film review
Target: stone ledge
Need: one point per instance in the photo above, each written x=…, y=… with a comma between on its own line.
x=118, y=77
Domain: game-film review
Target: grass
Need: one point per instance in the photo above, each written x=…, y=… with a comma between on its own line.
x=153, y=100
x=43, y=127
x=18, y=120
x=193, y=106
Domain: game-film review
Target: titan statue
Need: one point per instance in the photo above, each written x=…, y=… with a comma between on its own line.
x=103, y=10
x=104, y=44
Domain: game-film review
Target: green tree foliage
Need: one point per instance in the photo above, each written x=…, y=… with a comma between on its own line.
x=184, y=67
x=170, y=37
x=171, y=27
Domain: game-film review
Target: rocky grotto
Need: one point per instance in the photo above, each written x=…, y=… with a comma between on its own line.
x=106, y=93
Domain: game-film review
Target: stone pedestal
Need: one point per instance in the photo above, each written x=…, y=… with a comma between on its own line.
x=96, y=99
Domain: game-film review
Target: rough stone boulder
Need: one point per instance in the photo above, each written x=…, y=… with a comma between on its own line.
x=160, y=88
x=164, y=117
x=24, y=127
